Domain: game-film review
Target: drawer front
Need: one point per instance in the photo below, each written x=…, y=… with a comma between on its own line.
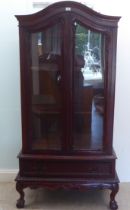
x=50, y=168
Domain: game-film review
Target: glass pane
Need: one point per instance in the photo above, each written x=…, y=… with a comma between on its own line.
x=88, y=89
x=46, y=87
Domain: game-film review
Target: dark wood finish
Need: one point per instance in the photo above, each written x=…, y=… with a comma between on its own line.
x=20, y=201
x=67, y=184
x=66, y=167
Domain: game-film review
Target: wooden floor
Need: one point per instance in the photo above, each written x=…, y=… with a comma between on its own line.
x=63, y=200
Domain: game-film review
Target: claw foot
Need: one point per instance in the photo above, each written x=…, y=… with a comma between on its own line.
x=20, y=203
x=113, y=205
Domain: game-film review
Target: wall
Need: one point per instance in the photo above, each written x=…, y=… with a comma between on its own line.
x=10, y=125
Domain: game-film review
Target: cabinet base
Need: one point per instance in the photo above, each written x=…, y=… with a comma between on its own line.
x=76, y=184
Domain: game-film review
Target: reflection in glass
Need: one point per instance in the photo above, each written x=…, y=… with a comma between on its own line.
x=88, y=89
x=46, y=101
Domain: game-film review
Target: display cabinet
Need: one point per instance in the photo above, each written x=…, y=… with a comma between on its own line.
x=68, y=64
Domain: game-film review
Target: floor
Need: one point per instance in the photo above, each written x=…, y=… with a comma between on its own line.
x=63, y=200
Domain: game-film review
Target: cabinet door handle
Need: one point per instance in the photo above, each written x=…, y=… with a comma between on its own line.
x=58, y=79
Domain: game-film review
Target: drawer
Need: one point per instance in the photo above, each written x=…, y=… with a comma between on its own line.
x=66, y=168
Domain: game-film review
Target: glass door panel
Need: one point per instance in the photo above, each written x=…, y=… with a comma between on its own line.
x=88, y=116
x=46, y=67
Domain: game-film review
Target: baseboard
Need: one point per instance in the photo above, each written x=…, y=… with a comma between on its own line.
x=8, y=175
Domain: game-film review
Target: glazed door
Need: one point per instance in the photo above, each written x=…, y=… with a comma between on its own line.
x=46, y=96
x=68, y=93
x=88, y=89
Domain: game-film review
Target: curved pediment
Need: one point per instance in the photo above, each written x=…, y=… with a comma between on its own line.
x=56, y=9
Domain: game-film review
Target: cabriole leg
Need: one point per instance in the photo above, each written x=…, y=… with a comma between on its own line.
x=113, y=203
x=20, y=201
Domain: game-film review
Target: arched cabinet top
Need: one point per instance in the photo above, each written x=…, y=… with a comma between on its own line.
x=57, y=9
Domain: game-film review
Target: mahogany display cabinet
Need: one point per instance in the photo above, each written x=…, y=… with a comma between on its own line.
x=67, y=67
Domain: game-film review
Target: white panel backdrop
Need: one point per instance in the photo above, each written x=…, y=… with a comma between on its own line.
x=10, y=125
